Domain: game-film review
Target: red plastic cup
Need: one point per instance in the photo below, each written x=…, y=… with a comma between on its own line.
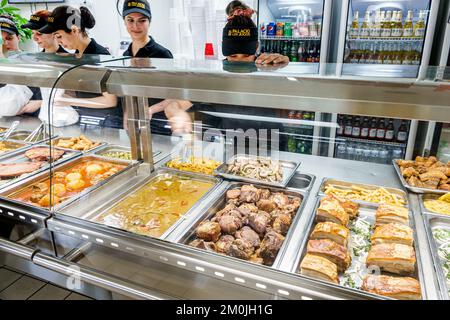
x=209, y=50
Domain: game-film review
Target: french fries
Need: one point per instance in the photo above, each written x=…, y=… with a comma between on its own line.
x=380, y=195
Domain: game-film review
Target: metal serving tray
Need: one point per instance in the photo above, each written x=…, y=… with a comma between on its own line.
x=431, y=223
x=19, y=157
x=366, y=211
x=168, y=158
x=20, y=147
x=289, y=169
x=101, y=151
x=346, y=185
x=54, y=142
x=22, y=135
x=302, y=182
x=411, y=188
x=219, y=203
x=91, y=216
x=17, y=187
x=429, y=196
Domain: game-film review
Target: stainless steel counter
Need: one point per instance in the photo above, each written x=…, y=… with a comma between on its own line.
x=206, y=271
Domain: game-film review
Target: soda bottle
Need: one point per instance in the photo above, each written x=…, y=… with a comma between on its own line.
x=306, y=116
x=263, y=30
x=348, y=127
x=381, y=131
x=356, y=131
x=373, y=129
x=313, y=116
x=402, y=134
x=341, y=151
x=390, y=130
x=293, y=54
x=299, y=115
x=365, y=128
x=285, y=49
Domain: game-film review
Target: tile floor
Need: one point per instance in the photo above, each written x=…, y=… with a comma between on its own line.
x=15, y=285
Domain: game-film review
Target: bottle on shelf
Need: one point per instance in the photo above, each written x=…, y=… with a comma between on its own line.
x=303, y=27
x=375, y=30
x=356, y=130
x=390, y=131
x=354, y=29
x=419, y=28
x=365, y=53
x=293, y=56
x=364, y=32
x=341, y=126
x=408, y=28
x=386, y=26
x=285, y=48
x=397, y=25
x=365, y=128
x=407, y=54
x=316, y=55
x=402, y=134
x=373, y=129
x=381, y=130
x=397, y=54
x=312, y=27
x=348, y=126
x=416, y=55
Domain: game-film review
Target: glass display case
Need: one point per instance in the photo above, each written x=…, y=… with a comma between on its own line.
x=380, y=33
x=139, y=214
x=297, y=29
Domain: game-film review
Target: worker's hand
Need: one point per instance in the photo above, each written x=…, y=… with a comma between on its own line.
x=31, y=107
x=179, y=119
x=271, y=58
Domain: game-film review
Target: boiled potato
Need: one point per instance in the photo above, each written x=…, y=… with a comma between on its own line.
x=59, y=189
x=74, y=176
x=93, y=170
x=76, y=184
x=45, y=201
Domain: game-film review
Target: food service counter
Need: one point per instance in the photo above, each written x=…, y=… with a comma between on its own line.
x=117, y=265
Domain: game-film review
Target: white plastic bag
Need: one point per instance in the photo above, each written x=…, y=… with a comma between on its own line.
x=13, y=99
x=60, y=116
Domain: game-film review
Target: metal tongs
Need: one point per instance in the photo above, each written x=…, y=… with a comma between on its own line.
x=11, y=129
x=34, y=136
x=188, y=146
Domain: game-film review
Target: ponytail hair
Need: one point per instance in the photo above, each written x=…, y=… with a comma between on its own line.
x=239, y=8
x=87, y=19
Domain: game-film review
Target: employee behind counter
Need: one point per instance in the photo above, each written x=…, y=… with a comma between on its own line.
x=239, y=46
x=105, y=109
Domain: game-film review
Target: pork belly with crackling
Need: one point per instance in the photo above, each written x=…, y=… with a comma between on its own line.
x=393, y=233
x=319, y=268
x=401, y=288
x=332, y=251
x=332, y=231
x=393, y=257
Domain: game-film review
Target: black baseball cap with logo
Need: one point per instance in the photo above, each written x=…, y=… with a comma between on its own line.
x=8, y=26
x=136, y=6
x=239, y=40
x=35, y=23
x=61, y=18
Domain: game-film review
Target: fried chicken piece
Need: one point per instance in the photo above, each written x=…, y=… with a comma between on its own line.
x=405, y=163
x=432, y=175
x=409, y=172
x=415, y=182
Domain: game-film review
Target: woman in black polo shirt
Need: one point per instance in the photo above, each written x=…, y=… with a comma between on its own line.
x=138, y=16
x=69, y=25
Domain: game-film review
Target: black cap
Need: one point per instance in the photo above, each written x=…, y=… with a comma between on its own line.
x=35, y=23
x=8, y=25
x=239, y=40
x=139, y=6
x=62, y=18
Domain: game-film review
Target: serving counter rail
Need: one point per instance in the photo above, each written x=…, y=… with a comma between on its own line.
x=113, y=261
